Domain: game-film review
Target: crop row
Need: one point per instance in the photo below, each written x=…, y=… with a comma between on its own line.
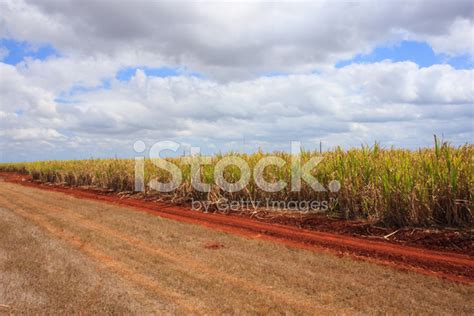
x=396, y=187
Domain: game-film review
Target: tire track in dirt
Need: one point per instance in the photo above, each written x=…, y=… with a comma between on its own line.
x=182, y=261
x=173, y=298
x=450, y=266
x=446, y=265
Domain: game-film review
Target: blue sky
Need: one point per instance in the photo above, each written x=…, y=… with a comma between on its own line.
x=18, y=51
x=126, y=73
x=420, y=53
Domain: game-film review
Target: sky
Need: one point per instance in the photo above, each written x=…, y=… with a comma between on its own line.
x=87, y=79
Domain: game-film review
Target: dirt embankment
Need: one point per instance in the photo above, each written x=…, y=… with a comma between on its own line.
x=457, y=264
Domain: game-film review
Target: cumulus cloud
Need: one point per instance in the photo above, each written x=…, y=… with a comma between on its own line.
x=458, y=41
x=398, y=103
x=73, y=105
x=237, y=40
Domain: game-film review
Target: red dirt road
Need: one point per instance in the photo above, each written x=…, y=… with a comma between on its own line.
x=447, y=265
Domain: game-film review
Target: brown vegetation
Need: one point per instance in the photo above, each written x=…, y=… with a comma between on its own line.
x=391, y=187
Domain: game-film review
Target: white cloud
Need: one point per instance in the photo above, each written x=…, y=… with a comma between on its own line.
x=43, y=134
x=237, y=40
x=232, y=45
x=396, y=103
x=458, y=41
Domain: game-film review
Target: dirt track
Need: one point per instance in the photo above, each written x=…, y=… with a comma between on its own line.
x=125, y=261
x=453, y=266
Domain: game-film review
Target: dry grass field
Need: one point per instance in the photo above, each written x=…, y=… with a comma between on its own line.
x=60, y=254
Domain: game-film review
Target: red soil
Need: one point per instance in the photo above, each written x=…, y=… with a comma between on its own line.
x=445, y=264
